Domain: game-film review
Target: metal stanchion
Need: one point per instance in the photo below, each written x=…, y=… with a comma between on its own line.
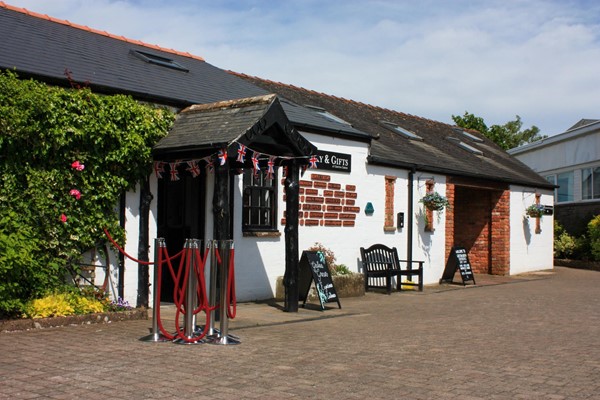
x=223, y=337
x=212, y=291
x=156, y=336
x=190, y=296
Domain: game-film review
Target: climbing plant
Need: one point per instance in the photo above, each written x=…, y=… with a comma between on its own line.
x=66, y=156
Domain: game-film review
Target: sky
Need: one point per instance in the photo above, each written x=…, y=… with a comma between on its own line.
x=431, y=58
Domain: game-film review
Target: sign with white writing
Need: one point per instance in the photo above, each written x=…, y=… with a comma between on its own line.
x=313, y=266
x=328, y=160
x=459, y=260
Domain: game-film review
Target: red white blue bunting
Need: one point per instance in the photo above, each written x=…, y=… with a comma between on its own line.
x=193, y=166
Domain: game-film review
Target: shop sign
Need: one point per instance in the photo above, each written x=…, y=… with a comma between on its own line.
x=328, y=160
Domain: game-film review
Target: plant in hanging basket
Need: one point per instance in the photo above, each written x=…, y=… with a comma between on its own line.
x=434, y=201
x=535, y=211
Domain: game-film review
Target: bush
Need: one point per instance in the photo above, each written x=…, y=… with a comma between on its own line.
x=334, y=268
x=594, y=237
x=565, y=245
x=60, y=304
x=66, y=156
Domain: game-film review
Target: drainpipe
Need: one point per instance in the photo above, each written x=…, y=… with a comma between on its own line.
x=121, y=284
x=409, y=217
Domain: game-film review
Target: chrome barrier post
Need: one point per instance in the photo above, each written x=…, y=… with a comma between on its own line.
x=223, y=337
x=212, y=291
x=156, y=336
x=190, y=294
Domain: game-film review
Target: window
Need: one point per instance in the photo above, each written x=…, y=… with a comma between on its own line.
x=590, y=183
x=259, y=208
x=328, y=115
x=565, y=190
x=552, y=180
x=404, y=132
x=158, y=60
x=465, y=146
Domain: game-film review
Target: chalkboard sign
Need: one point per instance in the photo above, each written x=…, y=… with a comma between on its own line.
x=313, y=267
x=459, y=259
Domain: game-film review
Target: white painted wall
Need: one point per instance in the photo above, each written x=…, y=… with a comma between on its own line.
x=530, y=251
x=261, y=260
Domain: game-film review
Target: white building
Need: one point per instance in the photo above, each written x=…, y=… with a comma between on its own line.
x=570, y=160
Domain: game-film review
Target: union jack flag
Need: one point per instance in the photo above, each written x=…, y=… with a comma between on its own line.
x=210, y=165
x=255, y=163
x=313, y=162
x=173, y=171
x=241, y=153
x=193, y=168
x=159, y=168
x=271, y=170
x=223, y=156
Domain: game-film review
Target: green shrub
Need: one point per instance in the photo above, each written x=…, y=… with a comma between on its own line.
x=60, y=304
x=593, y=229
x=565, y=245
x=66, y=156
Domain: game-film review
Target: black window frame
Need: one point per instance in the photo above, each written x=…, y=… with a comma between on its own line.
x=259, y=195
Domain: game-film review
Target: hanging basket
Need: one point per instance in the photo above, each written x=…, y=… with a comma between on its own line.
x=434, y=201
x=535, y=211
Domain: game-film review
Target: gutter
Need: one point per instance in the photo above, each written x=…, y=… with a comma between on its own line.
x=446, y=171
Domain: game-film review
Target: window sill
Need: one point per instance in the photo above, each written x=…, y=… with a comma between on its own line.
x=262, y=234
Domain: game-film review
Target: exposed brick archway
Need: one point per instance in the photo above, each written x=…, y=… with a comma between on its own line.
x=479, y=221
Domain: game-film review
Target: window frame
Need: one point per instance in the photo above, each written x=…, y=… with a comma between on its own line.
x=254, y=187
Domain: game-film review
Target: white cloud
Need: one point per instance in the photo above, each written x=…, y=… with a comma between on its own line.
x=538, y=59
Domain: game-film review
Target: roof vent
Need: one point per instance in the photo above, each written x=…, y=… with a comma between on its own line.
x=158, y=60
x=398, y=129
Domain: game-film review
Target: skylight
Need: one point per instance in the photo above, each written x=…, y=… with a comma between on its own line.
x=472, y=137
x=404, y=132
x=158, y=60
x=465, y=146
x=328, y=115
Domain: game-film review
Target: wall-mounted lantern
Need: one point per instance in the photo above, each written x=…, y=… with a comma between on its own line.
x=369, y=210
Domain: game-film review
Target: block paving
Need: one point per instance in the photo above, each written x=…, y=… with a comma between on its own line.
x=526, y=337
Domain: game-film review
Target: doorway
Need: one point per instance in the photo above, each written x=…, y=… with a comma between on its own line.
x=181, y=216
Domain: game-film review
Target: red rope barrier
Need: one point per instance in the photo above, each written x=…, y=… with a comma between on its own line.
x=123, y=251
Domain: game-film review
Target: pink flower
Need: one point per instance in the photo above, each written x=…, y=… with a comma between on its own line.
x=63, y=218
x=75, y=193
x=78, y=166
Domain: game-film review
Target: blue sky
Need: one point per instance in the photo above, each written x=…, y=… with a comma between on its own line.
x=431, y=58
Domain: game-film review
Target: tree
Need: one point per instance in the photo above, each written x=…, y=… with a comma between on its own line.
x=507, y=136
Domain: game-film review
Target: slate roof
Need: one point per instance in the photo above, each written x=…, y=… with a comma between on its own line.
x=43, y=47
x=436, y=152
x=257, y=122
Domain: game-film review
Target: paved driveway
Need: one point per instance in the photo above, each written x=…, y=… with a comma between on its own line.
x=534, y=337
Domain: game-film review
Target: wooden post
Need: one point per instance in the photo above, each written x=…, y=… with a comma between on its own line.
x=221, y=202
x=144, y=245
x=290, y=279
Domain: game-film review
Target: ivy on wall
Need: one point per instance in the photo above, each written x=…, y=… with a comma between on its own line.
x=66, y=156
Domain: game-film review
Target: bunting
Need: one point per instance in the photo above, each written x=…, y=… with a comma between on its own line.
x=241, y=153
x=173, y=171
x=223, y=156
x=270, y=167
x=255, y=163
x=210, y=164
x=193, y=166
x=159, y=168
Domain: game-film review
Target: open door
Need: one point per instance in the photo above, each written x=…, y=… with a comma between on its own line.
x=180, y=217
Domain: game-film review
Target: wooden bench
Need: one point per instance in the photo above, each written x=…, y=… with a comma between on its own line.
x=380, y=264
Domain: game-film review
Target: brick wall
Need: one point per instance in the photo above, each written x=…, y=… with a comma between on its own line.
x=326, y=203
x=479, y=221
